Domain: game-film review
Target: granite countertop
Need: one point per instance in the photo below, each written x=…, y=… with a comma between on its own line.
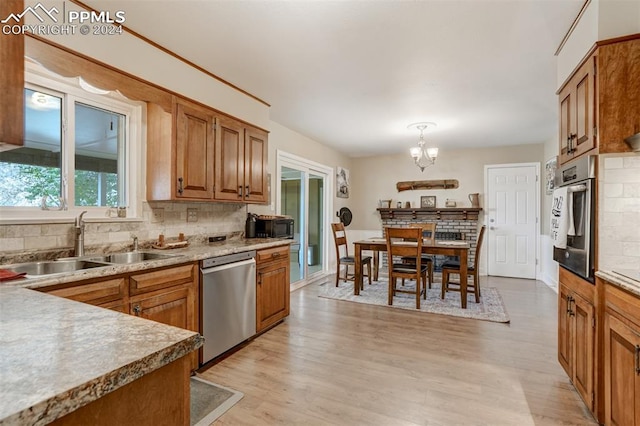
x=621, y=279
x=192, y=253
x=57, y=355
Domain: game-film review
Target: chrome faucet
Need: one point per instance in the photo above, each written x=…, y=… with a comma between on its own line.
x=78, y=247
x=135, y=243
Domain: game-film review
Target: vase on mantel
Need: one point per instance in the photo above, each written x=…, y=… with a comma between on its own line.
x=475, y=201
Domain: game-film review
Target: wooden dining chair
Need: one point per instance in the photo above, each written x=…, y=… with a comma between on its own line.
x=340, y=240
x=428, y=234
x=406, y=242
x=453, y=267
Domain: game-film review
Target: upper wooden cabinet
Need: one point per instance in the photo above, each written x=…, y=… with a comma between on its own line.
x=577, y=119
x=194, y=151
x=199, y=154
x=11, y=80
x=598, y=104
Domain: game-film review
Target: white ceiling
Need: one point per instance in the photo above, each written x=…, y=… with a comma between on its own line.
x=354, y=74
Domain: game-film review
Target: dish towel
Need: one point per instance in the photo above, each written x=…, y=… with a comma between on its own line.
x=559, y=218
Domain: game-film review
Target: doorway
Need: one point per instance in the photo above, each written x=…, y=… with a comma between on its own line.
x=512, y=218
x=303, y=193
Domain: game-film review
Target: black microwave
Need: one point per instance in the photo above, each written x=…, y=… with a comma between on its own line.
x=269, y=227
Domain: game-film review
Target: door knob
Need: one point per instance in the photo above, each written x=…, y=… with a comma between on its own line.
x=492, y=228
x=491, y=220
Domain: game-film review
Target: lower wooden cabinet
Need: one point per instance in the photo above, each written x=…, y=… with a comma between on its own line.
x=173, y=307
x=272, y=286
x=622, y=358
x=166, y=295
x=577, y=334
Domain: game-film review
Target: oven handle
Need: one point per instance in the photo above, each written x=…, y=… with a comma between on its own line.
x=577, y=188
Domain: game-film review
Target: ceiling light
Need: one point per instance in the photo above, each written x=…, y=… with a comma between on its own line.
x=423, y=156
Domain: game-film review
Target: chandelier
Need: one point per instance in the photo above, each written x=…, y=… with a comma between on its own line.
x=423, y=156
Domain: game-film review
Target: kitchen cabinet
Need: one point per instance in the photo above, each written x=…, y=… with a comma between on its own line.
x=241, y=162
x=598, y=104
x=272, y=286
x=194, y=151
x=577, y=334
x=110, y=293
x=11, y=81
x=577, y=119
x=199, y=154
x=622, y=357
x=167, y=295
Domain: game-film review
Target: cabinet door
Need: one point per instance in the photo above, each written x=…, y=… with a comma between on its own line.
x=583, y=330
x=174, y=307
x=255, y=166
x=12, y=80
x=564, y=330
x=622, y=372
x=566, y=122
x=272, y=296
x=229, y=174
x=194, y=152
x=583, y=139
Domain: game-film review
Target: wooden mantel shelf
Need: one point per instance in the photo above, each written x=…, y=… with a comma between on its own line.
x=453, y=213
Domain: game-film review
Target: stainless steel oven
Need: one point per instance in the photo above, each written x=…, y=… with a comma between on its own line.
x=579, y=178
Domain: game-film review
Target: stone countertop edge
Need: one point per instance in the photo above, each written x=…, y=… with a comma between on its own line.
x=621, y=281
x=183, y=255
x=48, y=374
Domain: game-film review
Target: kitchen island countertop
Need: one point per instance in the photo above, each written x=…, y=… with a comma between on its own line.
x=57, y=355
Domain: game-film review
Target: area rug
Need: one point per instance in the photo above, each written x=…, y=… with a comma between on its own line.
x=209, y=401
x=490, y=308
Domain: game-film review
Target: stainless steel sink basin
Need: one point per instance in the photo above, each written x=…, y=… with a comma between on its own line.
x=54, y=266
x=132, y=257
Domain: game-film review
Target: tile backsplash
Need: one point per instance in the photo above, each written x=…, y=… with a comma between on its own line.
x=619, y=215
x=211, y=219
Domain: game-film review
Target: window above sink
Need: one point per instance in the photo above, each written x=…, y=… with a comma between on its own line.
x=82, y=145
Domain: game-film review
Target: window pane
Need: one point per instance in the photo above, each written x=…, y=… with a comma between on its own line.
x=33, y=171
x=99, y=157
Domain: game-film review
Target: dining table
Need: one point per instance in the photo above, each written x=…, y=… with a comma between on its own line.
x=441, y=247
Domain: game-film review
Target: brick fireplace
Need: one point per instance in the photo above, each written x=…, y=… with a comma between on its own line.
x=451, y=224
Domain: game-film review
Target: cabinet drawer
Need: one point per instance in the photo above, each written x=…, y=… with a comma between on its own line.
x=94, y=293
x=271, y=254
x=162, y=278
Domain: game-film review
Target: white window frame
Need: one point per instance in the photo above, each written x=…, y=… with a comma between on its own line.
x=38, y=78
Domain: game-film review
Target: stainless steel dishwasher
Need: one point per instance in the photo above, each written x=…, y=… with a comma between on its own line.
x=228, y=302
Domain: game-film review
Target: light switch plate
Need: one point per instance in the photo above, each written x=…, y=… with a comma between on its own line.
x=192, y=215
x=157, y=215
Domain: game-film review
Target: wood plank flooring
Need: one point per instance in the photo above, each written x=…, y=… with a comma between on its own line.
x=342, y=363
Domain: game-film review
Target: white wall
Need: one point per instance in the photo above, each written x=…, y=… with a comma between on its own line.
x=375, y=178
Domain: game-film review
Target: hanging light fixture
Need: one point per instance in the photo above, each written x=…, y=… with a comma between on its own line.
x=423, y=156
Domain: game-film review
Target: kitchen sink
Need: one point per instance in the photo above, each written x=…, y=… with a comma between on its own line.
x=131, y=257
x=54, y=266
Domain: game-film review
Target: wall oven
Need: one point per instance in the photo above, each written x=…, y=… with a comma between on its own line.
x=579, y=178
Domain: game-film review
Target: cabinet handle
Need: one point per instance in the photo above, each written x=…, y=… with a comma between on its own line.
x=137, y=310
x=240, y=191
x=180, y=188
x=273, y=255
x=246, y=191
x=569, y=310
x=638, y=360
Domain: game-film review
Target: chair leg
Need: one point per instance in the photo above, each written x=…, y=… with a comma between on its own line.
x=369, y=271
x=338, y=274
x=445, y=281
x=418, y=290
x=424, y=279
x=476, y=287
x=392, y=285
x=430, y=273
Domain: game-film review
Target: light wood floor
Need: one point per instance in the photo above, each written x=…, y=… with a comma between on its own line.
x=343, y=363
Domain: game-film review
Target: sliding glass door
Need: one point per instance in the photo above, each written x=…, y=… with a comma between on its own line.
x=302, y=194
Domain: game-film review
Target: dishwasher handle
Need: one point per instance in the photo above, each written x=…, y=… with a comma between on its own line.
x=206, y=271
x=229, y=258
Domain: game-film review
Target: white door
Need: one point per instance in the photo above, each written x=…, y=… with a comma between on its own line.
x=512, y=219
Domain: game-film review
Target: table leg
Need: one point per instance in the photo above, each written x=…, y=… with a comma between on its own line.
x=357, y=278
x=463, y=277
